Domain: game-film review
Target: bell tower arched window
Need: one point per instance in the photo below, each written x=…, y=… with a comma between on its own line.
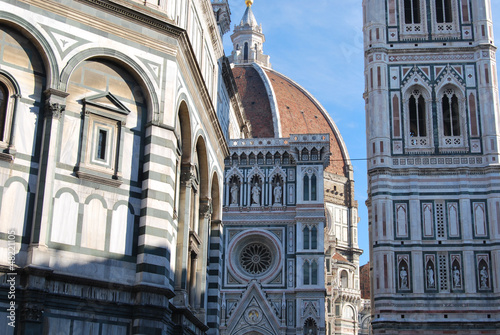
x=443, y=11
x=412, y=11
x=451, y=118
x=451, y=121
x=417, y=115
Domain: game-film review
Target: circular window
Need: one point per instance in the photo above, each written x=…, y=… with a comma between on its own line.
x=255, y=258
x=253, y=254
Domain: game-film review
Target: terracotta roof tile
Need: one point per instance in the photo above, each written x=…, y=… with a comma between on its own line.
x=255, y=101
x=300, y=115
x=338, y=257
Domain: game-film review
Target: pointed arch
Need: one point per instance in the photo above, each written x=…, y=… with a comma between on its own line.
x=452, y=118
x=417, y=107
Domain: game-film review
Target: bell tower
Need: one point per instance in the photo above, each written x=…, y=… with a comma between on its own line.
x=248, y=40
x=433, y=131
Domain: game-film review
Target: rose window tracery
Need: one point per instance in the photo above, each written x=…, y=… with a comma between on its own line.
x=255, y=258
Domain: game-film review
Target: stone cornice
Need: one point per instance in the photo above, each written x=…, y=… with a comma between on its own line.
x=430, y=50
x=434, y=171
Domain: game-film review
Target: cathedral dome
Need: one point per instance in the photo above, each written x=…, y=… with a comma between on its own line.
x=276, y=106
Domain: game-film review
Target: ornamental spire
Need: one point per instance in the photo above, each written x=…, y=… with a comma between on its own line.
x=248, y=40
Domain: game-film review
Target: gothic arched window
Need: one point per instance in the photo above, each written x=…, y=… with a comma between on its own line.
x=306, y=188
x=310, y=238
x=313, y=188
x=314, y=238
x=306, y=238
x=306, y=273
x=443, y=11
x=412, y=11
x=451, y=115
x=314, y=273
x=417, y=115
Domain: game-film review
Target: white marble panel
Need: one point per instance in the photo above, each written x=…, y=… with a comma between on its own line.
x=64, y=220
x=25, y=127
x=70, y=140
x=94, y=225
x=13, y=212
x=122, y=228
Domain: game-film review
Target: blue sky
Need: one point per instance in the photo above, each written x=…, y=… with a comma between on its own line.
x=319, y=44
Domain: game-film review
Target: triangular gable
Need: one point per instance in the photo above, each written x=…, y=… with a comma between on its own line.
x=458, y=69
x=256, y=171
x=279, y=171
x=449, y=76
x=107, y=101
x=234, y=171
x=438, y=70
x=426, y=70
x=253, y=313
x=405, y=70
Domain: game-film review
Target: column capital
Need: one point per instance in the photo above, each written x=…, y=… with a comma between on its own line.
x=54, y=110
x=55, y=102
x=188, y=174
x=206, y=208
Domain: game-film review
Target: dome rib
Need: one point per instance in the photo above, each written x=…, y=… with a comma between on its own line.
x=315, y=118
x=276, y=106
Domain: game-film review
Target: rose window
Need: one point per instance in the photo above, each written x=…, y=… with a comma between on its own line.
x=255, y=258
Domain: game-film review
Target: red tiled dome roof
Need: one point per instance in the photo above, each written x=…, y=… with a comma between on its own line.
x=264, y=90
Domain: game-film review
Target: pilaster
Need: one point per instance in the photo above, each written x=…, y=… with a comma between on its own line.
x=55, y=104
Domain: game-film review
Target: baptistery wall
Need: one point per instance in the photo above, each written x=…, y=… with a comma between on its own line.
x=111, y=163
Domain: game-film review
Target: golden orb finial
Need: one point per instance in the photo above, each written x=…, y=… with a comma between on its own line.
x=249, y=2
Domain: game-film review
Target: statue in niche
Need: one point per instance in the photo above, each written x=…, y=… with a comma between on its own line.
x=278, y=192
x=430, y=277
x=404, y=278
x=484, y=278
x=456, y=277
x=256, y=194
x=234, y=194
